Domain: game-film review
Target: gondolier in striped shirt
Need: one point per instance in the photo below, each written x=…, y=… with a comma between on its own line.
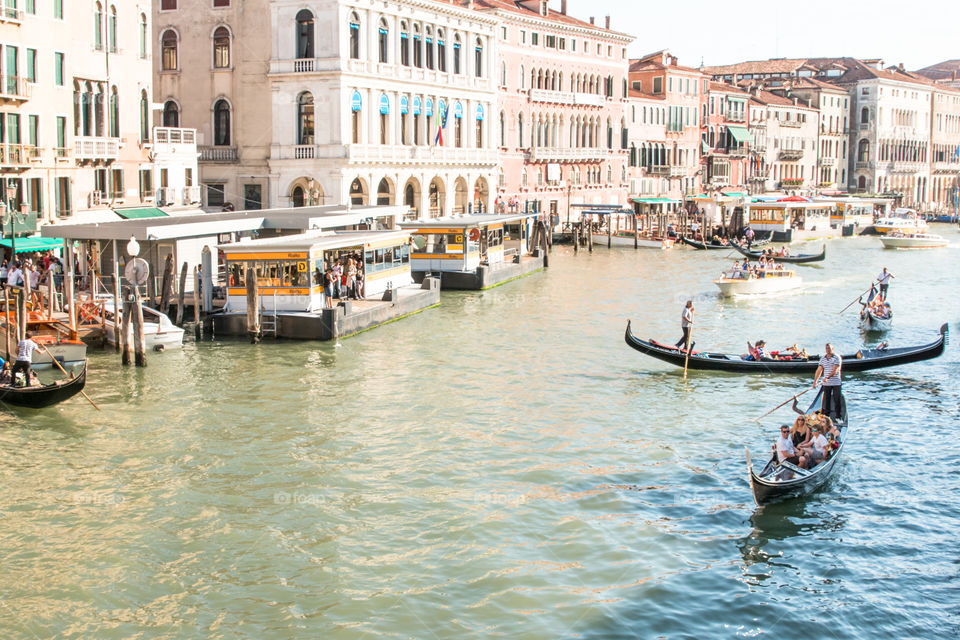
x=829, y=370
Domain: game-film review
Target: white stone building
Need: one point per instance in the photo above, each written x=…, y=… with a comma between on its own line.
x=785, y=139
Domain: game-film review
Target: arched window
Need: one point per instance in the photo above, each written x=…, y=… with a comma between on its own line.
x=86, y=110
x=441, y=52
x=297, y=196
x=221, y=48
x=865, y=115
x=114, y=113
x=457, y=68
x=520, y=130
x=305, y=27
x=478, y=63
x=404, y=44
x=97, y=27
x=305, y=121
x=503, y=129
x=428, y=45
x=382, y=42
x=503, y=74
x=144, y=117
x=863, y=151
x=171, y=114
x=168, y=48
x=354, y=36
x=112, y=30
x=221, y=123
x=417, y=47
x=143, y=35
x=523, y=78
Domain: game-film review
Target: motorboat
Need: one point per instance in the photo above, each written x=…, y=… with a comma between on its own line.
x=159, y=332
x=740, y=282
x=627, y=239
x=900, y=240
x=903, y=220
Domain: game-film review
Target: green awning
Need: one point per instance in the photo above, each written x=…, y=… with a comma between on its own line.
x=145, y=212
x=704, y=147
x=740, y=134
x=33, y=244
x=656, y=201
x=734, y=194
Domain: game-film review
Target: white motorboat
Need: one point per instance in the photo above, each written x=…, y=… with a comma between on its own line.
x=626, y=239
x=902, y=220
x=738, y=282
x=900, y=240
x=159, y=331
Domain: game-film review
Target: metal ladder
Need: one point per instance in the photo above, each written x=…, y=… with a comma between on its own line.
x=268, y=323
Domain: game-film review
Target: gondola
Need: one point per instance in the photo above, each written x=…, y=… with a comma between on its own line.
x=870, y=321
x=46, y=395
x=797, y=259
x=777, y=481
x=863, y=360
x=703, y=245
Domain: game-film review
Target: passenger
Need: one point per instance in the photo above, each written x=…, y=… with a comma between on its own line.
x=755, y=352
x=328, y=287
x=786, y=451
x=819, y=447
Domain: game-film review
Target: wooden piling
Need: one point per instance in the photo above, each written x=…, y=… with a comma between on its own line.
x=8, y=332
x=253, y=304
x=182, y=292
x=123, y=335
x=636, y=232
x=139, y=339
x=22, y=304
x=119, y=337
x=197, y=326
x=166, y=284
x=51, y=292
x=71, y=310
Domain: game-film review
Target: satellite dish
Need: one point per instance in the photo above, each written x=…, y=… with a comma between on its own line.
x=137, y=271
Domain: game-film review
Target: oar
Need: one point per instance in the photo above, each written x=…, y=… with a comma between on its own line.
x=859, y=297
x=60, y=366
x=783, y=403
x=686, y=360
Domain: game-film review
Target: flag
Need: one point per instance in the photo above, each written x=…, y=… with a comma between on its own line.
x=956, y=154
x=441, y=124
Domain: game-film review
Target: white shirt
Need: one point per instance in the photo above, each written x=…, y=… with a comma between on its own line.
x=820, y=444
x=34, y=278
x=13, y=277
x=686, y=317
x=25, y=350
x=785, y=444
x=884, y=277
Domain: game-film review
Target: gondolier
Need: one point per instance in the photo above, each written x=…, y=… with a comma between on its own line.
x=829, y=369
x=25, y=349
x=884, y=281
x=686, y=320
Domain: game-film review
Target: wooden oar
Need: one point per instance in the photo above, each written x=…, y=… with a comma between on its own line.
x=783, y=403
x=859, y=297
x=60, y=366
x=686, y=360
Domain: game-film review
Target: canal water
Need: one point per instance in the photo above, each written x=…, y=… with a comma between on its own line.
x=501, y=466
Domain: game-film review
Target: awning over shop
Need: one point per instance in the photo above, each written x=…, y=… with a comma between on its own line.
x=740, y=134
x=734, y=194
x=656, y=201
x=144, y=212
x=34, y=244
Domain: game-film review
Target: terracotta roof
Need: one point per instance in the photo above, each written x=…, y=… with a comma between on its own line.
x=637, y=93
x=942, y=70
x=654, y=61
x=762, y=96
x=553, y=15
x=725, y=88
x=777, y=65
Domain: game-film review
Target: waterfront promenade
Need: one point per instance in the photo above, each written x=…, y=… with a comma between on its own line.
x=502, y=466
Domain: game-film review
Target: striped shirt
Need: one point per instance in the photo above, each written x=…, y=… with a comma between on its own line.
x=830, y=366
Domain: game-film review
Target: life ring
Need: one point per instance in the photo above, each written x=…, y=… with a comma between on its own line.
x=474, y=235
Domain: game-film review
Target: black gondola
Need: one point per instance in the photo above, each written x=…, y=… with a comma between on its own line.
x=46, y=395
x=797, y=259
x=780, y=481
x=703, y=245
x=863, y=360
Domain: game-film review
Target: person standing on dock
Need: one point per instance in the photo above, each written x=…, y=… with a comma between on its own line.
x=884, y=281
x=829, y=369
x=686, y=320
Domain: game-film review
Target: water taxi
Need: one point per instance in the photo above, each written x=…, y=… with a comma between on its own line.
x=159, y=332
x=903, y=220
x=738, y=282
x=791, y=221
x=900, y=240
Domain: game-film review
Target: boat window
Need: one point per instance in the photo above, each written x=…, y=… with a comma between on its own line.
x=494, y=238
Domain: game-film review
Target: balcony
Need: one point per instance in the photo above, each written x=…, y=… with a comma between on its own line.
x=174, y=140
x=792, y=183
x=588, y=100
x=736, y=117
x=863, y=164
x=11, y=14
x=14, y=89
x=191, y=195
x=864, y=126
x=790, y=154
x=577, y=154
x=218, y=154
x=658, y=170
x=166, y=196
x=737, y=152
x=906, y=167
x=795, y=124
x=556, y=97
x=14, y=157
x=946, y=167
x=86, y=148
x=678, y=172
x=827, y=162
x=406, y=154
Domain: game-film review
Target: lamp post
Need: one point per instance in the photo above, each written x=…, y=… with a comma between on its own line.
x=14, y=217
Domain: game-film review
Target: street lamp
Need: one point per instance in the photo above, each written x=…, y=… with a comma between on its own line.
x=13, y=216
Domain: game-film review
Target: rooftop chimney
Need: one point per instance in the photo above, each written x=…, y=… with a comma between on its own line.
x=900, y=66
x=591, y=19
x=563, y=7
x=608, y=23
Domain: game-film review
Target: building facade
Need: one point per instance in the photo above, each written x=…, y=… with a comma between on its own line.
x=562, y=131
x=647, y=171
x=945, y=148
x=785, y=135
x=726, y=140
x=76, y=109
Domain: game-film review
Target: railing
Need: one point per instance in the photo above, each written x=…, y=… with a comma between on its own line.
x=863, y=164
x=166, y=196
x=864, y=126
x=304, y=152
x=573, y=154
x=658, y=170
x=61, y=153
x=546, y=95
x=589, y=99
x=409, y=154
x=191, y=195
x=174, y=135
x=14, y=88
x=737, y=151
x=90, y=148
x=792, y=182
x=11, y=14
x=678, y=171
x=827, y=162
x=218, y=154
x=13, y=155
x=736, y=117
x=796, y=124
x=790, y=154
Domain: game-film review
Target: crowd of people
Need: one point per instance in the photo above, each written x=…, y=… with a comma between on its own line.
x=757, y=352
x=760, y=269
x=809, y=441
x=36, y=270
x=343, y=279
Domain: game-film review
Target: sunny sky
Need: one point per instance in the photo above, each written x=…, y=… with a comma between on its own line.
x=918, y=33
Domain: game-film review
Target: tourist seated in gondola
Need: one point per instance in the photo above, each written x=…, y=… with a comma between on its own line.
x=786, y=452
x=5, y=372
x=818, y=448
x=755, y=352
